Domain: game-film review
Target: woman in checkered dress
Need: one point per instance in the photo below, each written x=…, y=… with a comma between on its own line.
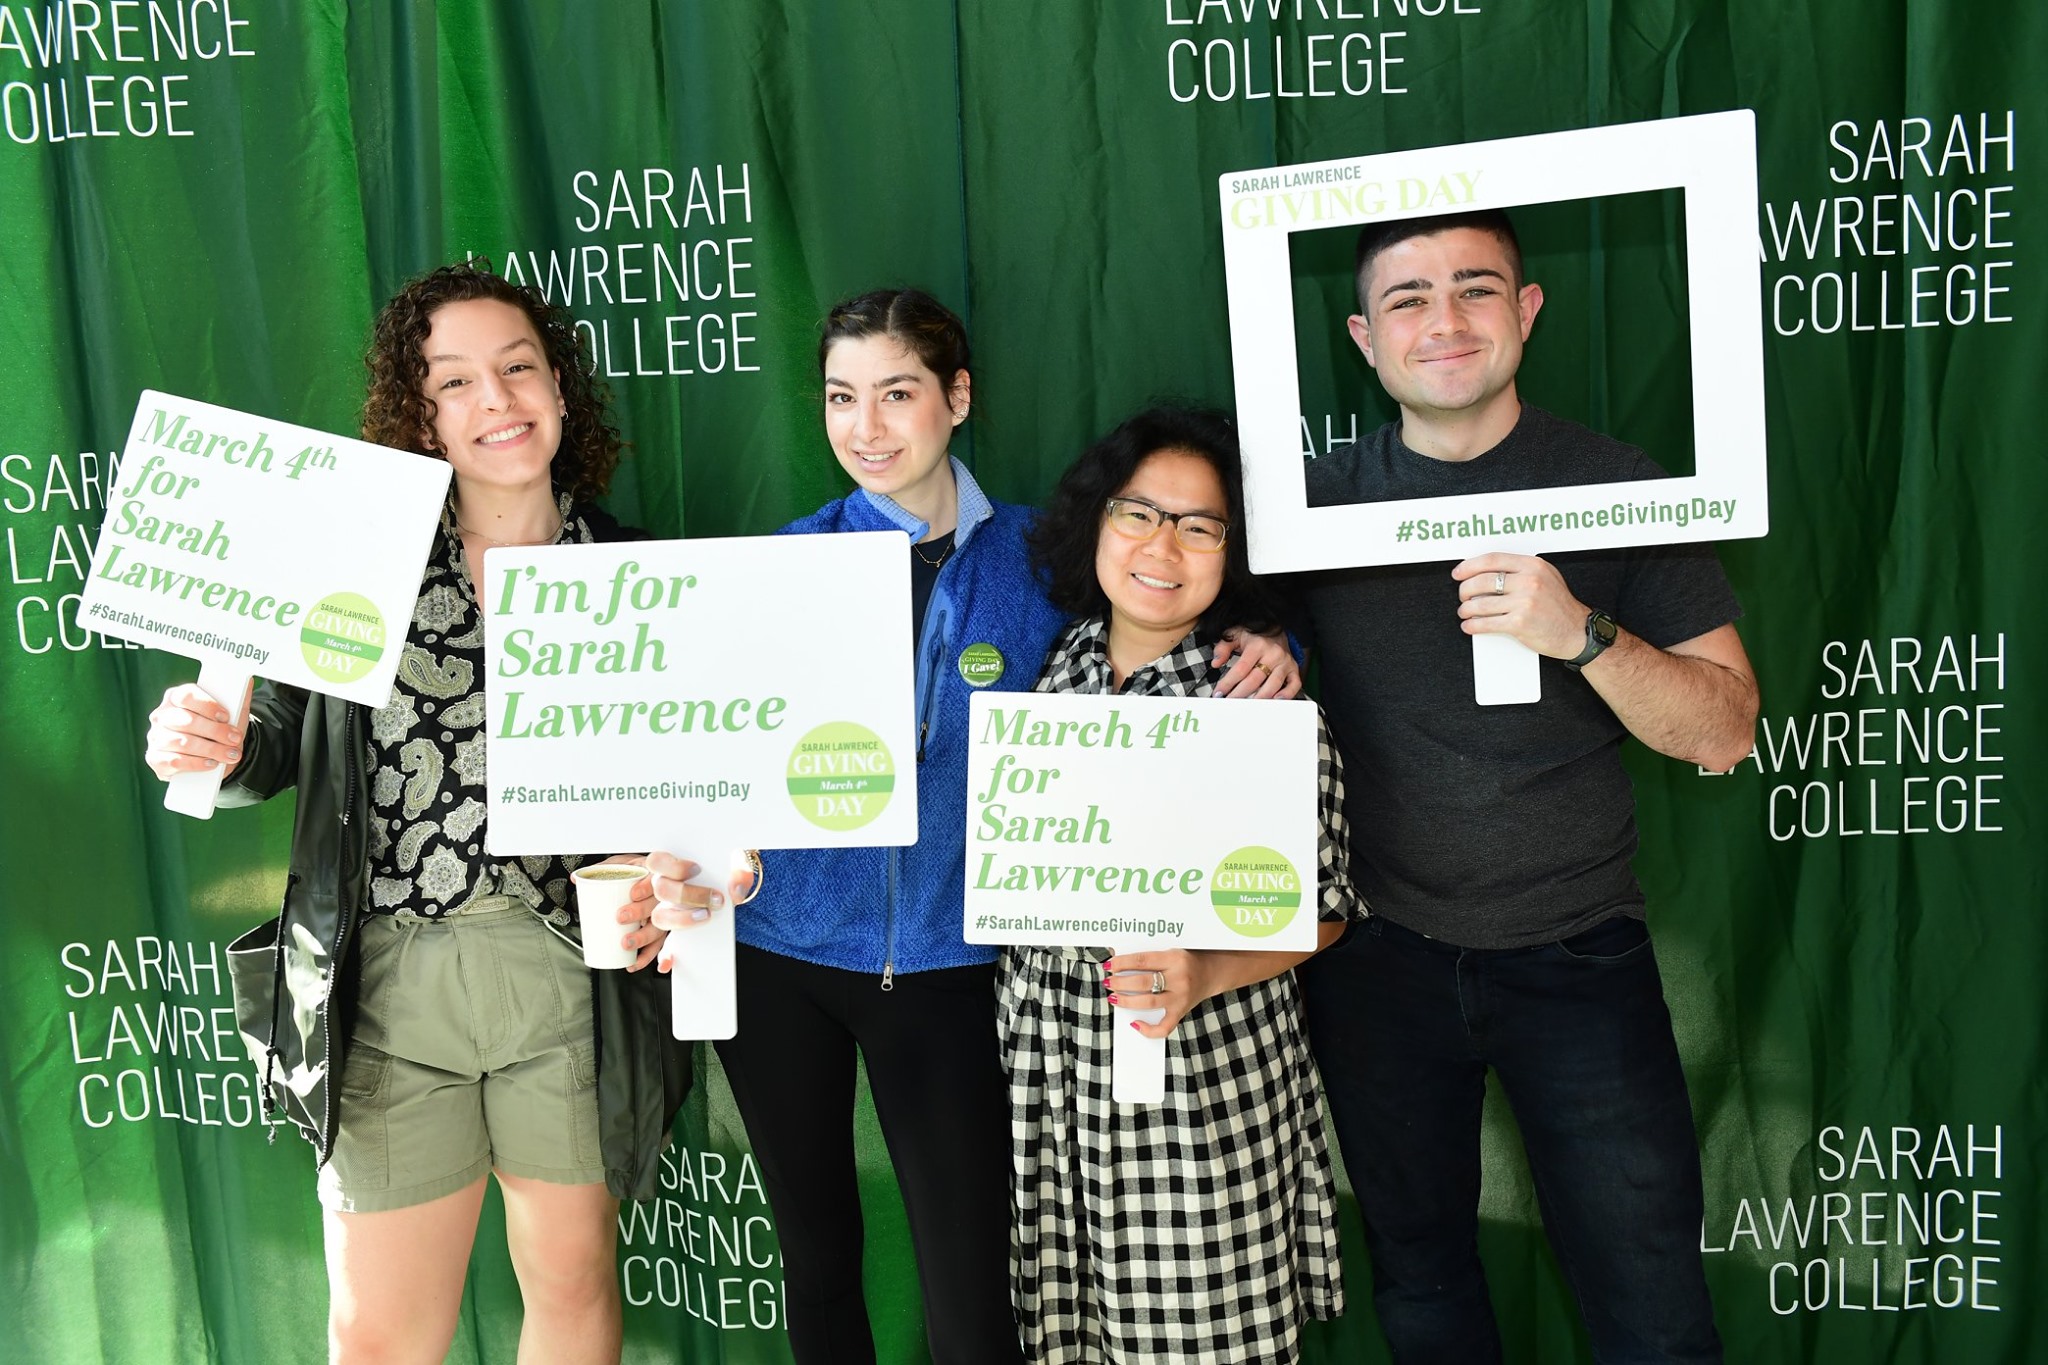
x=1203, y=1229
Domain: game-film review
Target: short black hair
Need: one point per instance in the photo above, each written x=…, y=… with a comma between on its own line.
x=1063, y=542
x=1375, y=238
x=923, y=326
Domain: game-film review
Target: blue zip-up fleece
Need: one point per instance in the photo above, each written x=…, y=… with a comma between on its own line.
x=887, y=910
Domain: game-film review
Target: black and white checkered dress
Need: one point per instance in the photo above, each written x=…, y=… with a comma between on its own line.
x=1200, y=1231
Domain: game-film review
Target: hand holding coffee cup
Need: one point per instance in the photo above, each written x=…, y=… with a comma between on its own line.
x=605, y=902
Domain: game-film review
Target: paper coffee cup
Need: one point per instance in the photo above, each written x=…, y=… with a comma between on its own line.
x=602, y=890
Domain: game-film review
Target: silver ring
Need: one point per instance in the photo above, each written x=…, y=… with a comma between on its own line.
x=1500, y=585
x=1159, y=983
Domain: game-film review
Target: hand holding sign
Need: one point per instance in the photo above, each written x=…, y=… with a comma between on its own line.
x=192, y=732
x=1097, y=820
x=683, y=903
x=1165, y=981
x=1517, y=609
x=610, y=724
x=1150, y=993
x=262, y=549
x=697, y=953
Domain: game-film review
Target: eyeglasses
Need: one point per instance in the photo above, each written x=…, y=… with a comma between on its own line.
x=1140, y=520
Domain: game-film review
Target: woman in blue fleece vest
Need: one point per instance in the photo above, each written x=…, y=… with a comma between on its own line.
x=861, y=948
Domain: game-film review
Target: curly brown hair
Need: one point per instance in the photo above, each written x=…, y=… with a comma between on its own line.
x=397, y=411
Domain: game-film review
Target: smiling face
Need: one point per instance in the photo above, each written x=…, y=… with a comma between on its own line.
x=497, y=408
x=1444, y=326
x=1155, y=587
x=890, y=421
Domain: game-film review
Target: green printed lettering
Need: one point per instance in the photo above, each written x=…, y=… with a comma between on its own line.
x=161, y=434
x=1004, y=727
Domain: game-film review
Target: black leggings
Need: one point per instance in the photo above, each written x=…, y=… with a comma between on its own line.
x=933, y=1068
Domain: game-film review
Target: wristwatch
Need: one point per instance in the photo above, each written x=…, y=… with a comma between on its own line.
x=1600, y=633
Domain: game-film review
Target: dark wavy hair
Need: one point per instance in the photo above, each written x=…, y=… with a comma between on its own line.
x=1375, y=238
x=926, y=328
x=1064, y=540
x=397, y=411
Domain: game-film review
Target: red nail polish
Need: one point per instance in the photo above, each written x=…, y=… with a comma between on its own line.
x=1112, y=998
x=1136, y=1025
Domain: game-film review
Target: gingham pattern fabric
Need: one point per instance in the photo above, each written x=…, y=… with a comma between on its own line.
x=1200, y=1231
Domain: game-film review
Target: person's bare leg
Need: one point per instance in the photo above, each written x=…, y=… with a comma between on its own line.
x=563, y=1240
x=394, y=1280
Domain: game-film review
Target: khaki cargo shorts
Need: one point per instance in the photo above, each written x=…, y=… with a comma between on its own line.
x=473, y=1049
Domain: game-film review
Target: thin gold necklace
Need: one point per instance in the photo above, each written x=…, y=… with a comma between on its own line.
x=944, y=554
x=548, y=539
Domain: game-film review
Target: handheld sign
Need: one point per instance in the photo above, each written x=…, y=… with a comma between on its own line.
x=1711, y=157
x=1135, y=822
x=752, y=692
x=262, y=549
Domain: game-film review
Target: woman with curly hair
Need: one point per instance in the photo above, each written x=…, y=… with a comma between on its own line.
x=1203, y=1227
x=425, y=1012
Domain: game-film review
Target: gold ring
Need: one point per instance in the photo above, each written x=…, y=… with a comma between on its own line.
x=1263, y=667
x=1159, y=983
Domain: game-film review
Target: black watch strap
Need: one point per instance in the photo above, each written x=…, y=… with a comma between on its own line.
x=1600, y=633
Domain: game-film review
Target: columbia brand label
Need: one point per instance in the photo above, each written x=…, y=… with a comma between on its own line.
x=343, y=637
x=1256, y=891
x=981, y=665
x=841, y=776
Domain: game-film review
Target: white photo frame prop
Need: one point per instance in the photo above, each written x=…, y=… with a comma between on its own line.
x=701, y=696
x=262, y=549
x=1711, y=157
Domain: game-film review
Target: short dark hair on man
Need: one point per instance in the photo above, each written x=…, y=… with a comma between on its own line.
x=1064, y=540
x=1375, y=238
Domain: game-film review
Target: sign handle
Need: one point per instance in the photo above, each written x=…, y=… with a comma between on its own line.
x=1504, y=671
x=703, y=1002
x=192, y=793
x=1137, y=1064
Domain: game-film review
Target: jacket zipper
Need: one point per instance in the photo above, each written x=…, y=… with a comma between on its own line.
x=273, y=1089
x=352, y=757
x=889, y=942
x=930, y=647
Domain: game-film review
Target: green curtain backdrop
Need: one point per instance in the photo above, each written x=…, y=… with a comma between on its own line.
x=211, y=197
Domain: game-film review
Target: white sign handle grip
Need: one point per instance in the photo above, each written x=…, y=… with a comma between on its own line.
x=192, y=793
x=1504, y=671
x=1137, y=1064
x=703, y=999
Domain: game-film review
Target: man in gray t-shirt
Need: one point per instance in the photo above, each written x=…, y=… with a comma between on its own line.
x=1493, y=843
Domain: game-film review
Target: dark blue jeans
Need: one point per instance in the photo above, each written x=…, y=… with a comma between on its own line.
x=1404, y=1028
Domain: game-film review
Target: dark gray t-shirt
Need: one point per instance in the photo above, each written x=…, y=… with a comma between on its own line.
x=1489, y=826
